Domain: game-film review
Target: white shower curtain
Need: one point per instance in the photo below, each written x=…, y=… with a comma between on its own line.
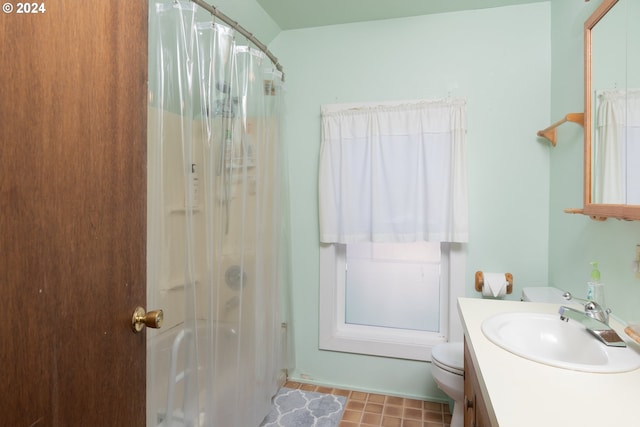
x=214, y=248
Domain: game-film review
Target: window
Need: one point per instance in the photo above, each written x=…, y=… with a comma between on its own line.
x=392, y=172
x=389, y=299
x=393, y=285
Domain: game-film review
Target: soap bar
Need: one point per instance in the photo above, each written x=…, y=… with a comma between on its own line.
x=634, y=332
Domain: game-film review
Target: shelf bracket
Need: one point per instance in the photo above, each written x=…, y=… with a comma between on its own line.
x=549, y=133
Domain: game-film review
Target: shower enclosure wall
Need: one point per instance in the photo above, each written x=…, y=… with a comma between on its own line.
x=215, y=252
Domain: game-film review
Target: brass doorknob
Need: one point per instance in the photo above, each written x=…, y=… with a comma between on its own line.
x=140, y=319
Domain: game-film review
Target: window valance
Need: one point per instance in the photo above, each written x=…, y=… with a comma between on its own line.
x=393, y=172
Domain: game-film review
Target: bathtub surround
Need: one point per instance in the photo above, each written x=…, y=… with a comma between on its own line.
x=214, y=198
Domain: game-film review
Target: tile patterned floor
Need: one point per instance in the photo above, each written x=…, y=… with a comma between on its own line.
x=377, y=410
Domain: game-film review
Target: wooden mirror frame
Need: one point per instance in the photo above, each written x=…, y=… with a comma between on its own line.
x=594, y=210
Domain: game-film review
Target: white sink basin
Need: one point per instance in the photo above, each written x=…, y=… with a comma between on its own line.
x=544, y=338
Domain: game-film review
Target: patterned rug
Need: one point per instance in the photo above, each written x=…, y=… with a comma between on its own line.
x=298, y=408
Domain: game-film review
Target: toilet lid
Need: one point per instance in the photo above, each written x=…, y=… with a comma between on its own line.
x=449, y=356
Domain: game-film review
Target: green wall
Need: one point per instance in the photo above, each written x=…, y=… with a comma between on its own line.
x=575, y=240
x=251, y=16
x=499, y=60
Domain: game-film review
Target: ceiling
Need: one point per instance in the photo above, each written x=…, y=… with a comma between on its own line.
x=292, y=14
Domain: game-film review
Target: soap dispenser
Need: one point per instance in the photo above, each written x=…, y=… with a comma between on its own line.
x=595, y=289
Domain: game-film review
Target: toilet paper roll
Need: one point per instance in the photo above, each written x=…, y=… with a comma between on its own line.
x=495, y=285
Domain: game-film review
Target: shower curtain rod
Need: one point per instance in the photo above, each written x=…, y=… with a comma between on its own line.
x=236, y=26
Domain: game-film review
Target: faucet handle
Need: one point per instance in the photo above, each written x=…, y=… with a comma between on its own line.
x=594, y=306
x=591, y=308
x=567, y=296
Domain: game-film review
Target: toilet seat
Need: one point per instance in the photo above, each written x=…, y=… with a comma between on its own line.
x=449, y=357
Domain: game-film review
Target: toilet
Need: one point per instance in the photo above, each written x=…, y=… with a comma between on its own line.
x=447, y=359
x=448, y=372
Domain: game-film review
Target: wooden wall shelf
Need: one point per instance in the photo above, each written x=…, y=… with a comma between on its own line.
x=550, y=132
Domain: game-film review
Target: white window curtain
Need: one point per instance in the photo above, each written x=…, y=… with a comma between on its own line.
x=616, y=154
x=393, y=172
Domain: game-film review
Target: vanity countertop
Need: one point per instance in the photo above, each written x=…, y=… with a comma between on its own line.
x=523, y=393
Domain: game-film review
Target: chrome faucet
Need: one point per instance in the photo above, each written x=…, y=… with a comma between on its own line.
x=594, y=318
x=591, y=308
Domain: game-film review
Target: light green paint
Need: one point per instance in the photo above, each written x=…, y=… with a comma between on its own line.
x=251, y=16
x=295, y=14
x=575, y=240
x=498, y=59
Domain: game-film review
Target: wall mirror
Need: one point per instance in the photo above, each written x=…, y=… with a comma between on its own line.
x=612, y=111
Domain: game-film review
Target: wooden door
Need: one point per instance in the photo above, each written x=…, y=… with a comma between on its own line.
x=73, y=81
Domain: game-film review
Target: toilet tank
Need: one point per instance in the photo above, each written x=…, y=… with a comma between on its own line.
x=547, y=294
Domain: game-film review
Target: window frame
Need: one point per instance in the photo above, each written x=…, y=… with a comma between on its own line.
x=337, y=335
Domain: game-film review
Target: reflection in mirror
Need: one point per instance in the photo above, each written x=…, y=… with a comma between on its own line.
x=616, y=108
x=616, y=147
x=612, y=111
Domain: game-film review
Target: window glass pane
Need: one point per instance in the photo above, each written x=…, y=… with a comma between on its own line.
x=393, y=285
